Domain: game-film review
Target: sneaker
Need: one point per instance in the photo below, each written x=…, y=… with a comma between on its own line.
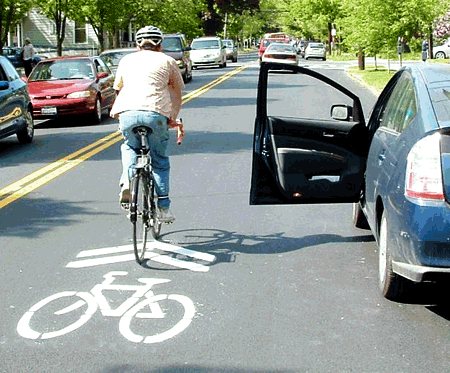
x=165, y=216
x=125, y=196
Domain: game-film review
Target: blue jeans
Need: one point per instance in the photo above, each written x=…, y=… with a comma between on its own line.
x=158, y=141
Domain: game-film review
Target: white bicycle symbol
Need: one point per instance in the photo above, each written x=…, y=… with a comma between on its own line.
x=128, y=310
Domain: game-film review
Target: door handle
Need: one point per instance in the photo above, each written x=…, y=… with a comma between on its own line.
x=381, y=157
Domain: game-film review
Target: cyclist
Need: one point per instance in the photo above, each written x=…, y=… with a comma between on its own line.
x=149, y=86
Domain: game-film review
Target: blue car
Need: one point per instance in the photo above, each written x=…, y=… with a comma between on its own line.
x=395, y=169
x=15, y=104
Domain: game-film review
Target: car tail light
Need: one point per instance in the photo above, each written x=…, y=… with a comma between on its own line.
x=423, y=172
x=291, y=58
x=268, y=55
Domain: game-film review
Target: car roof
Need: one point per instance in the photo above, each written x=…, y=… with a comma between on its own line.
x=59, y=58
x=207, y=38
x=119, y=50
x=432, y=73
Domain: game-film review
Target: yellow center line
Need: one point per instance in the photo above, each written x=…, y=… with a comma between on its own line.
x=45, y=174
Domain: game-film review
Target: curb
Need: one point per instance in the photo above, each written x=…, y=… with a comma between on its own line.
x=356, y=78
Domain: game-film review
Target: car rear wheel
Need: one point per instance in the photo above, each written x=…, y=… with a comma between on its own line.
x=440, y=55
x=391, y=284
x=26, y=134
x=97, y=113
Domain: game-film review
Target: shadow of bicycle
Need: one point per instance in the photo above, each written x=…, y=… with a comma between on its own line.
x=226, y=245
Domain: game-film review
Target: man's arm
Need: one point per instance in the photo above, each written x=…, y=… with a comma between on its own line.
x=176, y=86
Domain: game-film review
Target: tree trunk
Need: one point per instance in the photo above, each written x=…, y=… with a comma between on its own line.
x=330, y=40
x=361, y=61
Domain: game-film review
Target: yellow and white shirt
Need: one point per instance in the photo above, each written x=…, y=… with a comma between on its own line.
x=149, y=81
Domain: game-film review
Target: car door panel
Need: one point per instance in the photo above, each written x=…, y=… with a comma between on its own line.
x=303, y=160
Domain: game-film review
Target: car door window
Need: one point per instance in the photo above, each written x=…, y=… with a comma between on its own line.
x=101, y=66
x=11, y=72
x=401, y=106
x=3, y=76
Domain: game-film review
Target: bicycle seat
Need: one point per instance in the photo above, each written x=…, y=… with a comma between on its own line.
x=142, y=130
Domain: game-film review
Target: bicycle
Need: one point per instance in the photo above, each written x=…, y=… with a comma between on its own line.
x=74, y=309
x=144, y=199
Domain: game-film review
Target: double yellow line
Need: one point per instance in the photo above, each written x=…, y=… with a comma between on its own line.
x=42, y=176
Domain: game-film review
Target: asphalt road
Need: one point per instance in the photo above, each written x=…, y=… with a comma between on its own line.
x=230, y=287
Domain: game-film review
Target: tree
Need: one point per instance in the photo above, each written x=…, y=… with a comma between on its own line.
x=313, y=18
x=59, y=11
x=11, y=13
x=212, y=18
x=103, y=17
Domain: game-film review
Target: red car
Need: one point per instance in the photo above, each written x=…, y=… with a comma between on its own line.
x=71, y=85
x=278, y=37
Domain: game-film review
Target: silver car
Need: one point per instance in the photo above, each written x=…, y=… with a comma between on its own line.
x=208, y=51
x=316, y=50
x=231, y=50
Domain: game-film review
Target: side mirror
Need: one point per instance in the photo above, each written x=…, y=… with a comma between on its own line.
x=341, y=112
x=4, y=85
x=187, y=49
x=102, y=75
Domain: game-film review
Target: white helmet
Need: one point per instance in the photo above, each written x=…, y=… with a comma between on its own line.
x=151, y=33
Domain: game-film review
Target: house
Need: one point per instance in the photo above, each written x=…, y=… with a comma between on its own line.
x=80, y=37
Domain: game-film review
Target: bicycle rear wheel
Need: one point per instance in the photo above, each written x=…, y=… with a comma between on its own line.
x=155, y=224
x=140, y=214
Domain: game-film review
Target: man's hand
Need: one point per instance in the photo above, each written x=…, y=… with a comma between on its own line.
x=172, y=123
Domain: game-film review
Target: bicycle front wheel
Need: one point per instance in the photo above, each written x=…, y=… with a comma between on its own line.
x=140, y=214
x=155, y=224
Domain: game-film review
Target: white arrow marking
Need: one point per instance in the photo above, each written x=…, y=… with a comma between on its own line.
x=151, y=255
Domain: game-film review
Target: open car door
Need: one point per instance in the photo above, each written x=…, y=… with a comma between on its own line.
x=310, y=142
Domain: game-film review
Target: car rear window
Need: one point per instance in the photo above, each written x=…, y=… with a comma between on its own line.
x=440, y=98
x=172, y=45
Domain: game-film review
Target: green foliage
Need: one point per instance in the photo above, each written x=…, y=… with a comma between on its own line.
x=11, y=12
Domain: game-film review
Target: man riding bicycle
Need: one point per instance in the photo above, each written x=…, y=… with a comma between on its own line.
x=149, y=86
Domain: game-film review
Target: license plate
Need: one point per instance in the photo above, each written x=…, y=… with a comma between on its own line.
x=49, y=110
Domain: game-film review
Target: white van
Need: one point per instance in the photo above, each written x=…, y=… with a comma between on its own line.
x=208, y=51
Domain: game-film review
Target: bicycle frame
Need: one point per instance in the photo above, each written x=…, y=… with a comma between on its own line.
x=139, y=291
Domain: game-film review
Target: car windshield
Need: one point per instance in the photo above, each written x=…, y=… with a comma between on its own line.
x=113, y=58
x=172, y=45
x=280, y=48
x=63, y=70
x=205, y=44
x=315, y=45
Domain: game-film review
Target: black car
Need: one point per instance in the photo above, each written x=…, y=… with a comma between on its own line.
x=15, y=104
x=13, y=54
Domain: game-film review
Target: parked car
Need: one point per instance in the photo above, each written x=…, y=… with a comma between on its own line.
x=112, y=57
x=315, y=50
x=175, y=46
x=442, y=51
x=13, y=54
x=231, y=50
x=208, y=51
x=395, y=169
x=71, y=85
x=15, y=104
x=282, y=53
